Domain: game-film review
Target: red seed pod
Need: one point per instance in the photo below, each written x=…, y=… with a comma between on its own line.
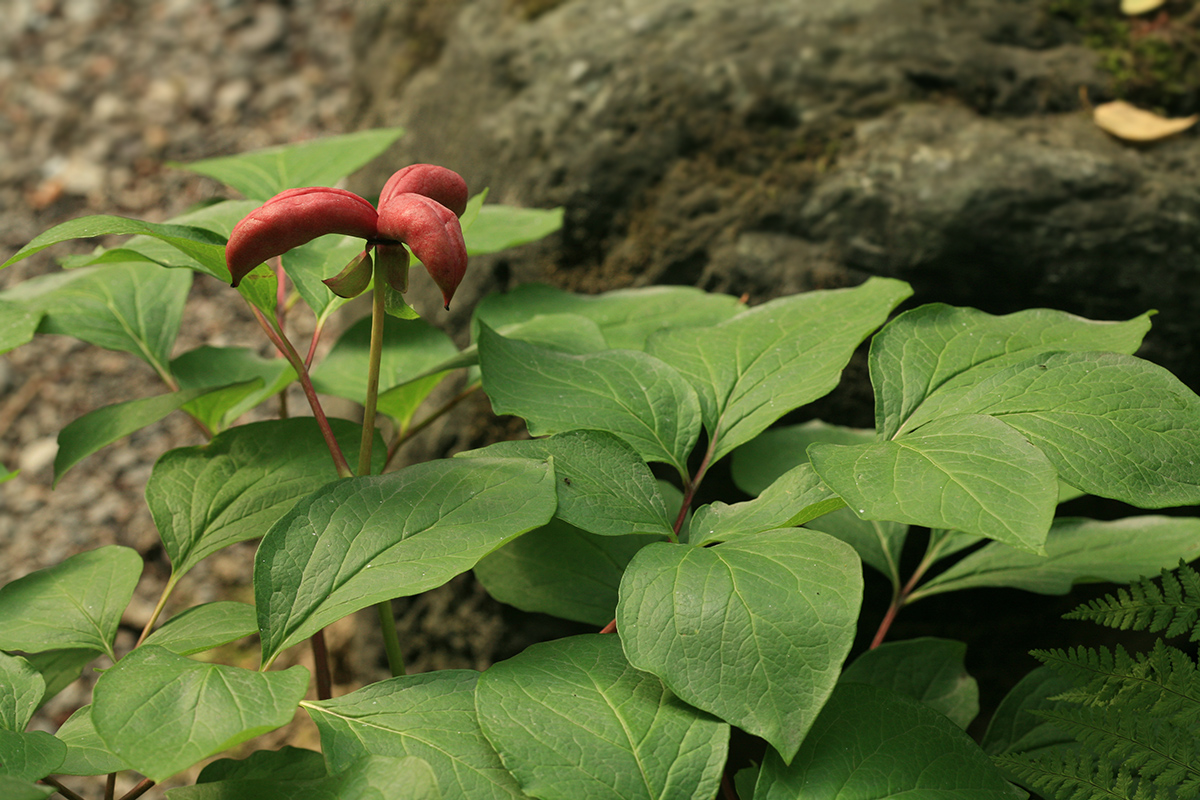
x=438, y=183
x=432, y=232
x=292, y=218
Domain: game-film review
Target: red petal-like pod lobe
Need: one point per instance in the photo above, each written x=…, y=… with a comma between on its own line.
x=432, y=232
x=437, y=183
x=292, y=218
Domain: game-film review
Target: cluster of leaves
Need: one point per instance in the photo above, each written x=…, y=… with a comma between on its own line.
x=724, y=615
x=1100, y=723
x=1154, y=63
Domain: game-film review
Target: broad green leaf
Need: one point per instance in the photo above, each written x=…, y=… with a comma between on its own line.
x=572, y=720
x=236, y=486
x=262, y=174
x=204, y=627
x=759, y=463
x=29, y=756
x=364, y=540
x=471, y=212
x=87, y=754
x=1016, y=727
x=795, y=498
x=206, y=247
x=873, y=744
x=754, y=630
x=430, y=716
x=370, y=778
x=260, y=288
x=100, y=428
x=603, y=485
x=969, y=473
x=561, y=570
x=410, y=348
x=286, y=763
x=214, y=367
x=21, y=690
x=135, y=308
x=322, y=258
x=17, y=789
x=18, y=322
x=1077, y=551
x=624, y=392
x=76, y=603
x=922, y=349
x=1113, y=425
x=878, y=542
x=162, y=713
x=499, y=227
x=625, y=316
x=752, y=369
x=930, y=671
x=59, y=668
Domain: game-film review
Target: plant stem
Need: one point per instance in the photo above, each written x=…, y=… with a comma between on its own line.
x=58, y=787
x=403, y=437
x=162, y=602
x=899, y=599
x=378, y=315
x=110, y=786
x=691, y=486
x=139, y=790
x=391, y=641
x=285, y=347
x=321, y=663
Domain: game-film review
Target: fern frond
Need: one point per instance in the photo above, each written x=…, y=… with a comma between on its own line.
x=1164, y=681
x=1140, y=742
x=1075, y=775
x=1174, y=609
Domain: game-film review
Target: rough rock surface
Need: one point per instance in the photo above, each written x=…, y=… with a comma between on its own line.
x=775, y=146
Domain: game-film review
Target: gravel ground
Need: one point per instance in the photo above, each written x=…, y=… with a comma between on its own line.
x=96, y=96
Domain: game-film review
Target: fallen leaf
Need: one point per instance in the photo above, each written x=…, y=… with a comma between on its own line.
x=1132, y=7
x=1135, y=125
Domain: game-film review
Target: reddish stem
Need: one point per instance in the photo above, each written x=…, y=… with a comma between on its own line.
x=321, y=663
x=63, y=790
x=139, y=790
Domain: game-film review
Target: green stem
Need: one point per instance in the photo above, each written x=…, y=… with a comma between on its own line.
x=404, y=436
x=391, y=641
x=378, y=315
x=158, y=609
x=285, y=347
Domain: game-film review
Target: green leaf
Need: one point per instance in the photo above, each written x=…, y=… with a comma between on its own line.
x=29, y=756
x=59, y=668
x=371, y=778
x=100, y=428
x=236, y=486
x=18, y=322
x=87, y=754
x=262, y=174
x=1016, y=727
x=795, y=498
x=561, y=570
x=206, y=247
x=752, y=369
x=603, y=485
x=759, y=463
x=1113, y=425
x=364, y=540
x=969, y=473
x=204, y=627
x=624, y=392
x=500, y=227
x=754, y=630
x=878, y=542
x=922, y=349
x=930, y=671
x=21, y=690
x=410, y=348
x=214, y=367
x=285, y=764
x=1077, y=551
x=572, y=720
x=260, y=288
x=77, y=603
x=872, y=743
x=17, y=789
x=626, y=317
x=430, y=716
x=162, y=713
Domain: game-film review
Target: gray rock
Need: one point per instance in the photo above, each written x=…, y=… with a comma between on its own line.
x=780, y=145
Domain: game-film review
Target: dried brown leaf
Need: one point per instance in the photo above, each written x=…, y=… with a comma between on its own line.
x=1135, y=125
